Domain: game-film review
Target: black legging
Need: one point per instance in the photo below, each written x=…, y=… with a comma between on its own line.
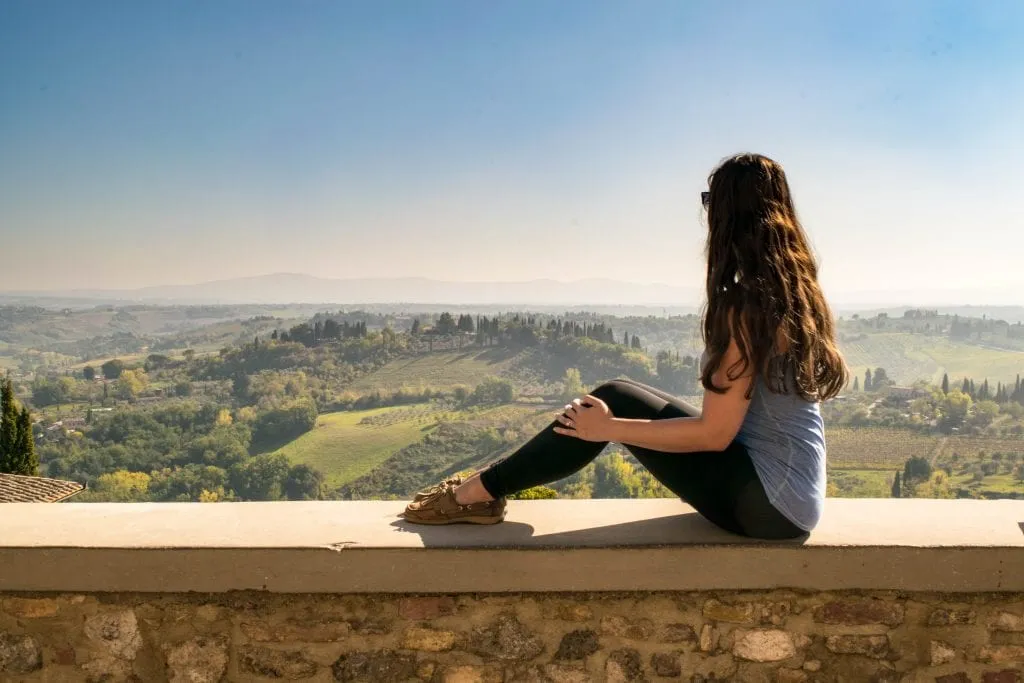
x=721, y=485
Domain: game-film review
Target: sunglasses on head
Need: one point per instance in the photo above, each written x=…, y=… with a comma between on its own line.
x=705, y=198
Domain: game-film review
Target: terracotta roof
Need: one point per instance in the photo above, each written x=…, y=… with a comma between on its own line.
x=15, y=488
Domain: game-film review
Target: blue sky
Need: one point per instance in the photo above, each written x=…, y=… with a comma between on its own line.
x=176, y=142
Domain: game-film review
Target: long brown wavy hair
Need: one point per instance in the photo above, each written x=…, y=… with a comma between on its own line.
x=762, y=286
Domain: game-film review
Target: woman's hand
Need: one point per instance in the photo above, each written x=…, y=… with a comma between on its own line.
x=587, y=418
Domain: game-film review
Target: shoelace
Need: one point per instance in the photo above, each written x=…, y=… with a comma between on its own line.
x=443, y=488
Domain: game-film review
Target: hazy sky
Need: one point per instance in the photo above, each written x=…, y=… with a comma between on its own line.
x=147, y=143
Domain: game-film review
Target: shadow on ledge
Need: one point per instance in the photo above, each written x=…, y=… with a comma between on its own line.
x=674, y=530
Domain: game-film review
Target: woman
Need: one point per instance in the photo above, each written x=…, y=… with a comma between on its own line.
x=753, y=461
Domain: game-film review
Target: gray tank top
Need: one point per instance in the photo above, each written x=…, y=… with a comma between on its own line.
x=785, y=437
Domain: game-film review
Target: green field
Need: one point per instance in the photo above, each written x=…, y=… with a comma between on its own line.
x=861, y=483
x=994, y=483
x=126, y=358
x=910, y=357
x=347, y=445
x=442, y=370
x=862, y=461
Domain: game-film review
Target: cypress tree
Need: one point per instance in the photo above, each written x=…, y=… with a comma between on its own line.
x=945, y=383
x=27, y=461
x=966, y=388
x=8, y=429
x=867, y=380
x=897, y=489
x=856, y=383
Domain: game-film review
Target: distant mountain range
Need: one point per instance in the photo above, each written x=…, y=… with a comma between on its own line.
x=594, y=294
x=285, y=288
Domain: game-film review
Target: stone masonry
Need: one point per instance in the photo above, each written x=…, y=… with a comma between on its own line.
x=759, y=637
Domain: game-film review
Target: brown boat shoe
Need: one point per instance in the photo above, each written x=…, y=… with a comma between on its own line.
x=455, y=480
x=440, y=507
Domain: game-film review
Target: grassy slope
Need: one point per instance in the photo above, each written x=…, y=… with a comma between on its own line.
x=439, y=370
x=343, y=449
x=909, y=357
x=862, y=461
x=862, y=483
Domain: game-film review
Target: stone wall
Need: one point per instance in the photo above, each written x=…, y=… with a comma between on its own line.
x=775, y=636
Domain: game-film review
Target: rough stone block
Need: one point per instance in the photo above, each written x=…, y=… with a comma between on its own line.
x=1002, y=654
x=116, y=632
x=677, y=633
x=942, y=653
x=1007, y=622
x=64, y=655
x=380, y=666
x=578, y=644
x=208, y=613
x=425, y=608
x=506, y=639
x=1005, y=676
x=425, y=670
x=567, y=611
x=958, y=677
x=565, y=673
x=296, y=631
x=857, y=612
x=372, y=626
x=764, y=645
x=108, y=669
x=472, y=674
x=775, y=613
x=31, y=608
x=952, y=617
x=743, y=613
x=638, y=629
x=285, y=664
x=708, y=638
x=666, y=664
x=869, y=646
x=429, y=640
x=200, y=660
x=19, y=654
x=624, y=665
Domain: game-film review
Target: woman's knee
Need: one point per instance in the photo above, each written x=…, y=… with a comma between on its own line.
x=611, y=389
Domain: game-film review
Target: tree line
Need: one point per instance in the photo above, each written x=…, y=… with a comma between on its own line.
x=873, y=381
x=320, y=332
x=1003, y=393
x=17, y=442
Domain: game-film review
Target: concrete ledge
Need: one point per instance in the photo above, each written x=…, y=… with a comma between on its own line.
x=544, y=546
